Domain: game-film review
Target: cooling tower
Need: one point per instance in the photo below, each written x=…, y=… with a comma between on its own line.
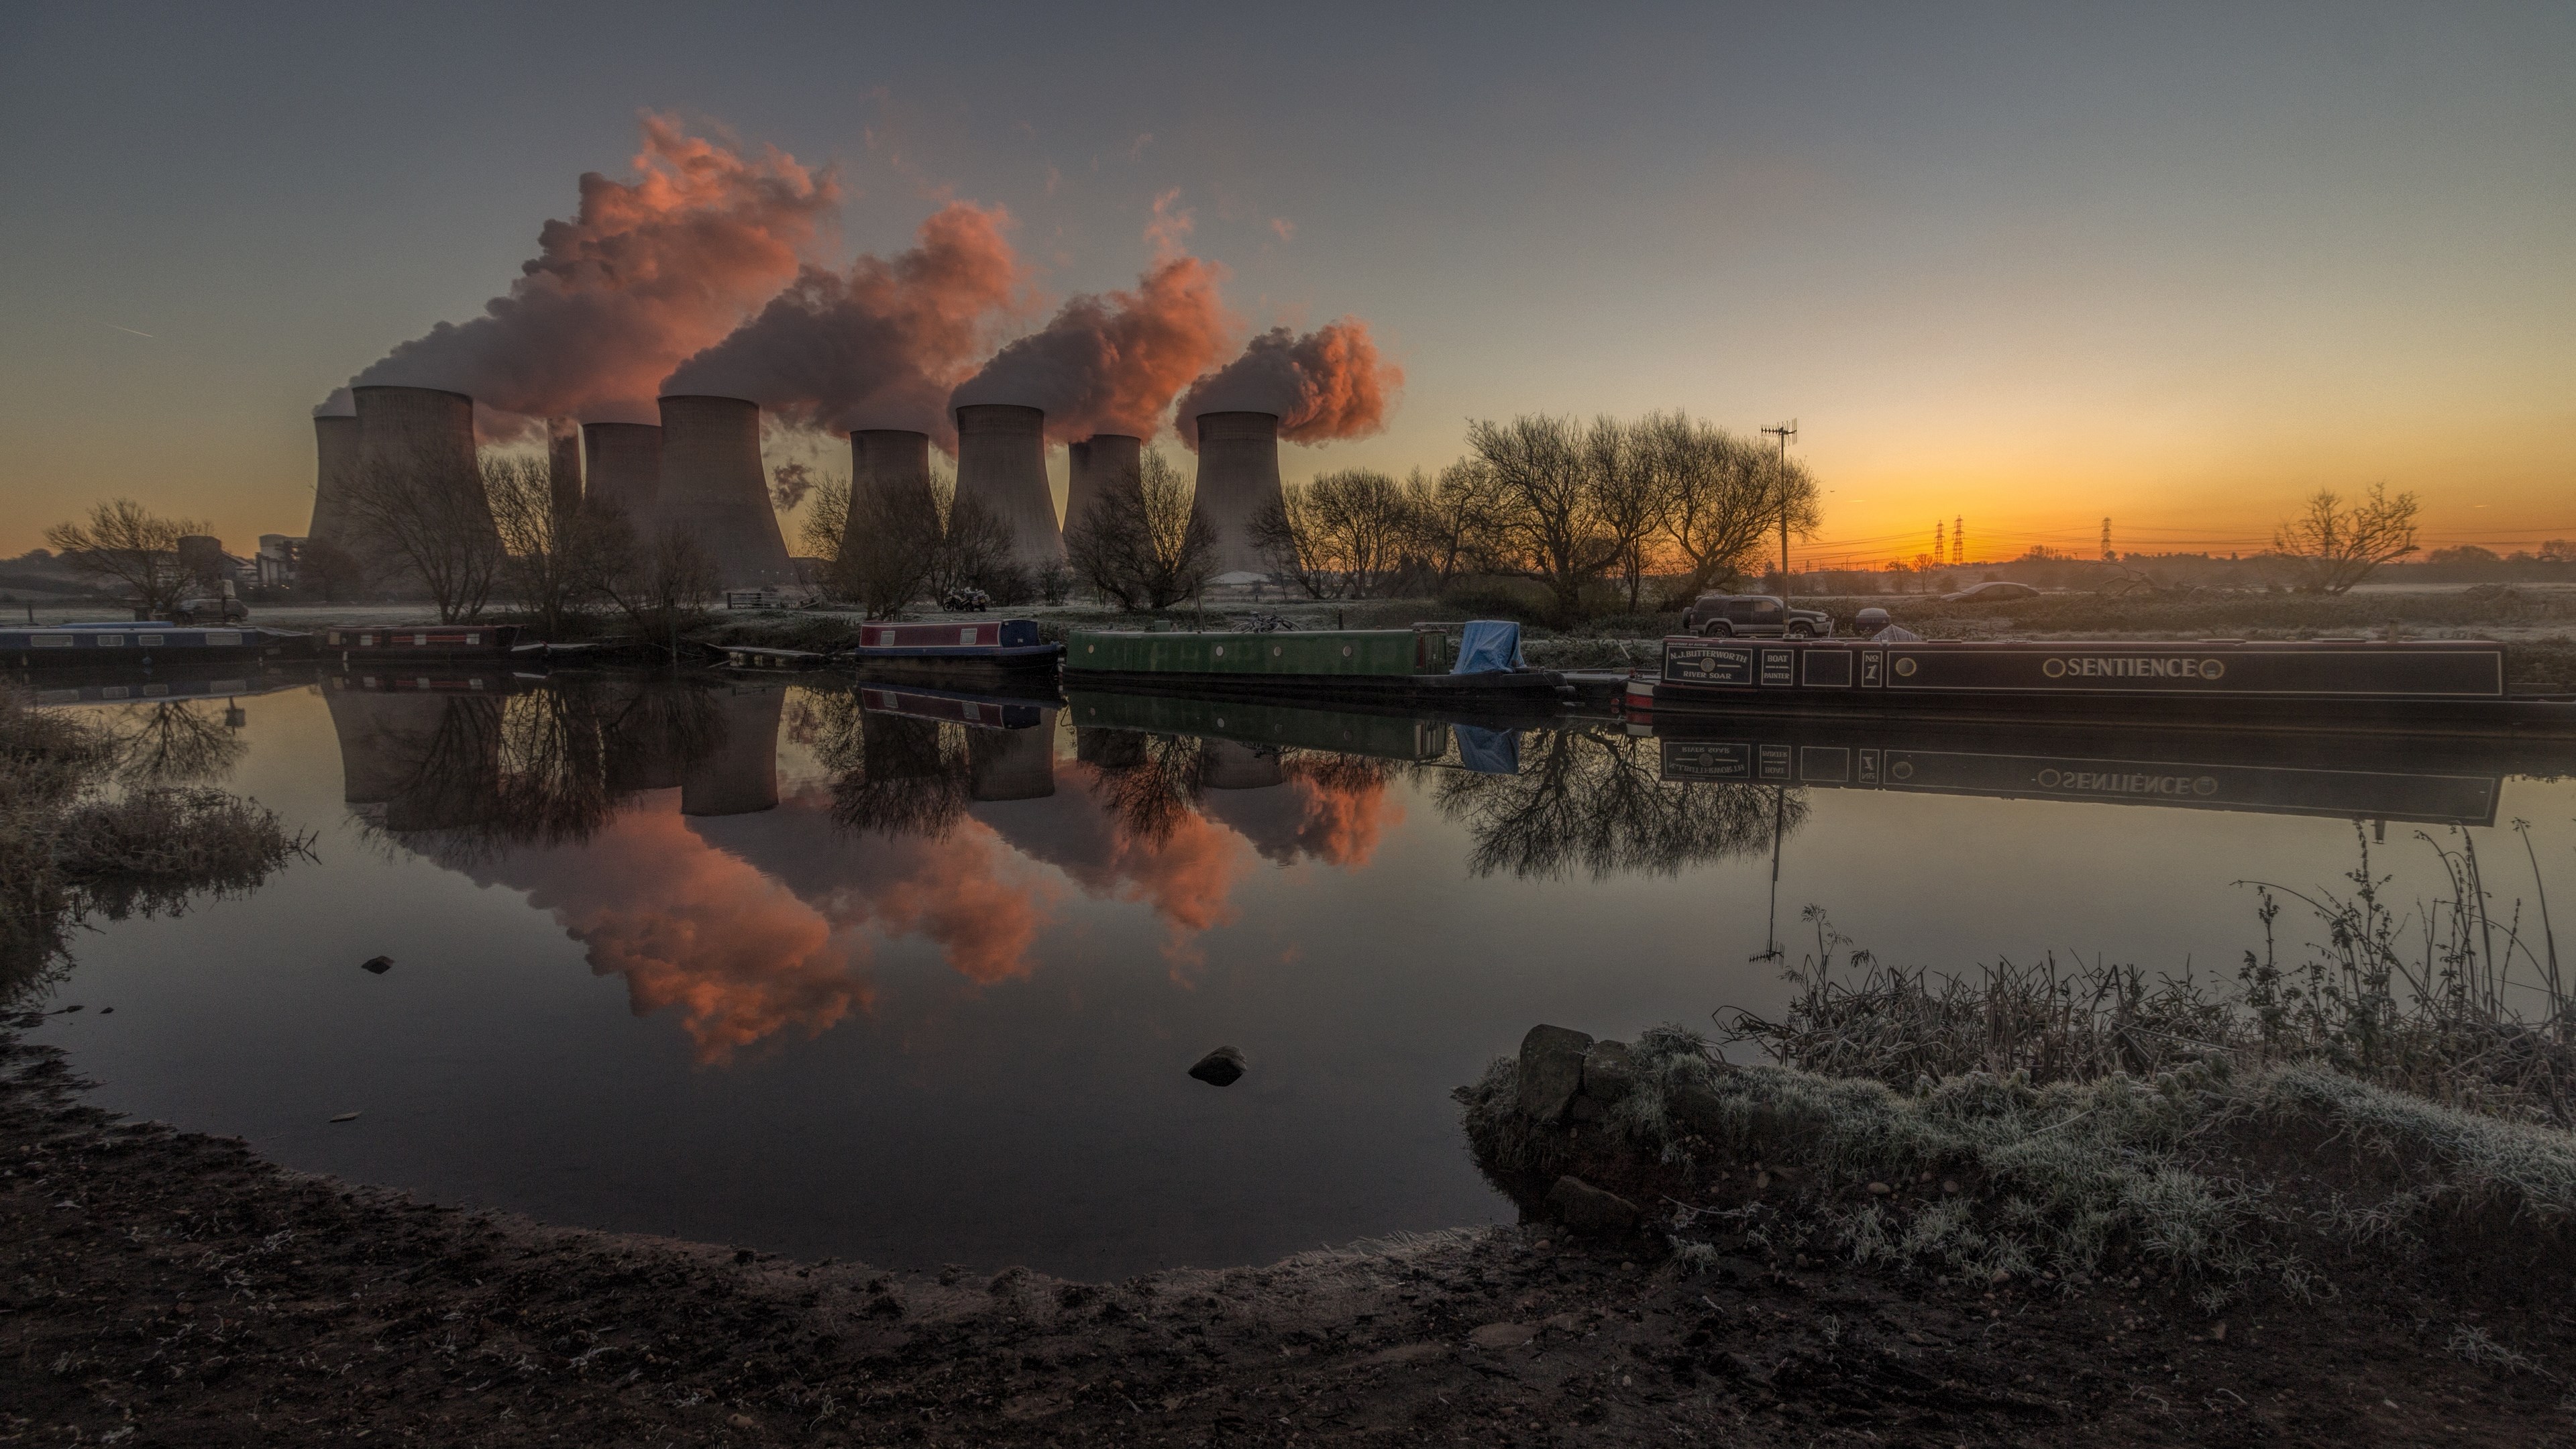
x=740, y=776
x=624, y=470
x=1238, y=481
x=714, y=492
x=563, y=465
x=1098, y=461
x=1001, y=463
x=886, y=460
x=1012, y=764
x=335, y=447
x=415, y=439
x=1225, y=765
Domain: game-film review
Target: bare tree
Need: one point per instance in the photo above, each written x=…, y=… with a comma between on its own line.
x=1344, y=534
x=324, y=567
x=1140, y=545
x=662, y=585
x=884, y=544
x=556, y=554
x=976, y=549
x=1723, y=498
x=1632, y=493
x=123, y=543
x=1545, y=521
x=424, y=515
x=2335, y=545
x=1449, y=514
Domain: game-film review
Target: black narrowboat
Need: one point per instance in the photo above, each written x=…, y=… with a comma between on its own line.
x=2432, y=686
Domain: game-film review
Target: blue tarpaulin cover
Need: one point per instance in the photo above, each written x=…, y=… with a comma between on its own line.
x=1487, y=646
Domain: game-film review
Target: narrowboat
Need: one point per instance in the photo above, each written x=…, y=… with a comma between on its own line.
x=144, y=645
x=385, y=643
x=1385, y=666
x=2341, y=685
x=212, y=680
x=998, y=649
x=2444, y=782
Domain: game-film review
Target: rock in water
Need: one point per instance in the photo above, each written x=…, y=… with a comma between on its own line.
x=1551, y=1070
x=1587, y=1209
x=1607, y=1071
x=377, y=964
x=1220, y=1068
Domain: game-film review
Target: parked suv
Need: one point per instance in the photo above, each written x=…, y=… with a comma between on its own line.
x=1757, y=616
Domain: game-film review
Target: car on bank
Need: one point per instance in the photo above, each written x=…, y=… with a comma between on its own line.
x=1754, y=616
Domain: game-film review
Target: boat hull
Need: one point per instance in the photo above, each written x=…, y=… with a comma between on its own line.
x=2340, y=686
x=143, y=646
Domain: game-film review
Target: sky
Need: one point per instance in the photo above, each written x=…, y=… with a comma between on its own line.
x=2027, y=266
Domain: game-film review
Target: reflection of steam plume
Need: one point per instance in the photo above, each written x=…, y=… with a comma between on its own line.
x=1111, y=363
x=1334, y=810
x=645, y=273
x=877, y=347
x=1328, y=384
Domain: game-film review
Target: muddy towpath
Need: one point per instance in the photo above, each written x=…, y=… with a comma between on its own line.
x=164, y=1288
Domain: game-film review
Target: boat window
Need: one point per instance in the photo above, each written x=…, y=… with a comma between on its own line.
x=150, y=639
x=111, y=641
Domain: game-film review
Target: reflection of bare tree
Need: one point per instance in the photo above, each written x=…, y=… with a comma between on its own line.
x=1592, y=798
x=174, y=743
x=484, y=772
x=890, y=774
x=1145, y=782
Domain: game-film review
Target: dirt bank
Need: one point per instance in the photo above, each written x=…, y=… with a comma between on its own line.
x=162, y=1288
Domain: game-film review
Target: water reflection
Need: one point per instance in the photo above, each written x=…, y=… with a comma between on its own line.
x=750, y=908
x=858, y=927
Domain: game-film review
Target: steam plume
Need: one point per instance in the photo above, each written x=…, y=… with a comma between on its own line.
x=877, y=347
x=1110, y=363
x=1328, y=384
x=647, y=272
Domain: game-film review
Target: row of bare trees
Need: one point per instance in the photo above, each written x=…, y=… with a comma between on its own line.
x=1557, y=501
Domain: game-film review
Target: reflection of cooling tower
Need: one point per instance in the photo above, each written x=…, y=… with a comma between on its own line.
x=335, y=445
x=892, y=747
x=886, y=461
x=1001, y=463
x=1225, y=765
x=1097, y=462
x=1012, y=764
x=740, y=777
x=714, y=492
x=1110, y=749
x=563, y=465
x=1238, y=481
x=625, y=468
x=418, y=438
x=384, y=738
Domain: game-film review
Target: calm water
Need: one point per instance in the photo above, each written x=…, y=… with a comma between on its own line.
x=763, y=966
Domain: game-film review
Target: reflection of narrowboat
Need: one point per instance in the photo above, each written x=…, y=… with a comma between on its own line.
x=2264, y=773
x=367, y=643
x=1395, y=666
x=743, y=657
x=2428, y=686
x=951, y=707
x=218, y=680
x=1259, y=723
x=141, y=645
x=998, y=644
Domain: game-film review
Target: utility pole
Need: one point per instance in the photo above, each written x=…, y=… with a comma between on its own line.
x=1784, y=432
